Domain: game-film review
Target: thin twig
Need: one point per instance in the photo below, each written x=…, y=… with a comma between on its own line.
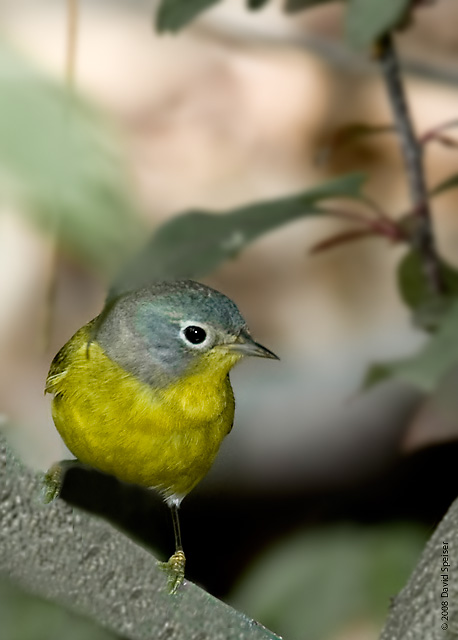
x=380, y=226
x=354, y=216
x=436, y=133
x=375, y=208
x=341, y=238
x=413, y=158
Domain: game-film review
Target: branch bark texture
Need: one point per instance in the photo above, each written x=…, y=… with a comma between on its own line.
x=427, y=607
x=81, y=562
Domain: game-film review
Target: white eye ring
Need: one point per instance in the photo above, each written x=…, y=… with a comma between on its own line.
x=196, y=335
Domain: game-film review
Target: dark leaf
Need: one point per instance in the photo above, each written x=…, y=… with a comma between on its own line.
x=256, y=4
x=355, y=130
x=292, y=6
x=349, y=134
x=432, y=312
x=375, y=374
x=194, y=243
x=173, y=15
x=428, y=309
x=367, y=20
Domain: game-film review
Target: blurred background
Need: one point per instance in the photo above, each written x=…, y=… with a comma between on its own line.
x=323, y=495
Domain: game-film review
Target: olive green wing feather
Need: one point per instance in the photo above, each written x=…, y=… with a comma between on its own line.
x=64, y=358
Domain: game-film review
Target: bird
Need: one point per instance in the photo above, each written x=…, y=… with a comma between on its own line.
x=142, y=391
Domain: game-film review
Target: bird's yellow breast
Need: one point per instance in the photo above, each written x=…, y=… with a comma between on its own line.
x=164, y=438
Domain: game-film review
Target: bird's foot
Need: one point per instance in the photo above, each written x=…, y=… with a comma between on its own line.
x=174, y=569
x=52, y=483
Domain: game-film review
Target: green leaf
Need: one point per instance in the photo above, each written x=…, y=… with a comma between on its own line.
x=449, y=183
x=194, y=243
x=58, y=165
x=173, y=15
x=425, y=369
x=428, y=308
x=367, y=20
x=348, y=572
x=432, y=312
x=375, y=374
x=253, y=5
x=292, y=6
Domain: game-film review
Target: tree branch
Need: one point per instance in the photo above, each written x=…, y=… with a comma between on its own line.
x=82, y=563
x=412, y=152
x=427, y=607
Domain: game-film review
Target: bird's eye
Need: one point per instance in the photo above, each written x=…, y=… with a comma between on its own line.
x=194, y=334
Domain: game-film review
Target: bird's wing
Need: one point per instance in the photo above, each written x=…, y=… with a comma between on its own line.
x=58, y=370
x=63, y=360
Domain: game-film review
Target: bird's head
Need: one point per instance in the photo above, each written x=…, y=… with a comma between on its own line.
x=166, y=331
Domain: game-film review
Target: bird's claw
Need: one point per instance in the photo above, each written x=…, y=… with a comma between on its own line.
x=174, y=569
x=52, y=483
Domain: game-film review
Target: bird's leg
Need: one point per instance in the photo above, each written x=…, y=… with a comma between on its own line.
x=178, y=560
x=176, y=564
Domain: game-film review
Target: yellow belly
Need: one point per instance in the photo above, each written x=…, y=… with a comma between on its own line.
x=166, y=439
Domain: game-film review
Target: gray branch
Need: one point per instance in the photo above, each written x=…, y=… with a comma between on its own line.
x=90, y=568
x=84, y=564
x=427, y=607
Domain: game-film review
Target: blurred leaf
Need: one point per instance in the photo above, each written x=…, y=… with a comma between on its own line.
x=368, y=20
x=57, y=165
x=173, y=15
x=292, y=6
x=448, y=183
x=354, y=131
x=437, y=134
x=446, y=141
x=376, y=373
x=324, y=580
x=194, y=243
x=412, y=281
x=425, y=369
x=349, y=134
x=256, y=4
x=26, y=617
x=429, y=309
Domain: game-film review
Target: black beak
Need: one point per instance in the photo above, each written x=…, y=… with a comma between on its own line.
x=246, y=346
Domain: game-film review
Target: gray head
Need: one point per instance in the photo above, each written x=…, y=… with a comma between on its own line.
x=162, y=332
